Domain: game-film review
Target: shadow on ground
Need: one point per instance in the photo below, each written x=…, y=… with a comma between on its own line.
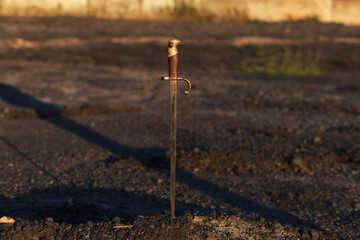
x=78, y=205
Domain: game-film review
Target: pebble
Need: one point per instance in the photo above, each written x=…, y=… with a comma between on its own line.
x=26, y=229
x=197, y=220
x=7, y=220
x=89, y=223
x=298, y=161
x=357, y=206
x=18, y=226
x=210, y=238
x=317, y=139
x=116, y=219
x=240, y=131
x=315, y=235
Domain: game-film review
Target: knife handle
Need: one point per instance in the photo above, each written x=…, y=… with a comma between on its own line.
x=174, y=65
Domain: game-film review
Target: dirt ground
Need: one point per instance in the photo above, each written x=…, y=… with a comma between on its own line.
x=84, y=126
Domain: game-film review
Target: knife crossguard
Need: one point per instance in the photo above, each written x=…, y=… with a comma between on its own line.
x=173, y=57
x=178, y=79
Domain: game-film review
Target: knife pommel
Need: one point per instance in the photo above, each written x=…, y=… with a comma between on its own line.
x=172, y=46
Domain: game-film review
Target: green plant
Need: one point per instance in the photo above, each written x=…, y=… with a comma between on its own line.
x=285, y=62
x=235, y=15
x=185, y=8
x=313, y=18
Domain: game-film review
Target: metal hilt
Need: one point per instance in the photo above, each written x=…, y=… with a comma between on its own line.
x=173, y=58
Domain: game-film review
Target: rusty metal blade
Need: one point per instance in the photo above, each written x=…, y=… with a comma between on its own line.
x=173, y=118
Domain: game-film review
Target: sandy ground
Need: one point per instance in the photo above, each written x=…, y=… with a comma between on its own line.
x=84, y=132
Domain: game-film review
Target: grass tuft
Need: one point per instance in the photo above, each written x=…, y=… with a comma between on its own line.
x=285, y=62
x=185, y=8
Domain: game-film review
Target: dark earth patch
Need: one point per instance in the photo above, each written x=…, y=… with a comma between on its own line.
x=84, y=133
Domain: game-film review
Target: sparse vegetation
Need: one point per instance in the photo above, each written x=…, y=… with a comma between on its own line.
x=185, y=8
x=284, y=62
x=235, y=15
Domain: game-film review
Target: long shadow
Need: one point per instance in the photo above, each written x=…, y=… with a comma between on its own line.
x=76, y=205
x=15, y=97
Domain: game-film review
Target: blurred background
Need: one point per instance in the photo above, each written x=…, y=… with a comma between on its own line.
x=341, y=11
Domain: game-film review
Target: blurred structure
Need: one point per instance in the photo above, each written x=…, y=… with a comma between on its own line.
x=343, y=11
x=39, y=6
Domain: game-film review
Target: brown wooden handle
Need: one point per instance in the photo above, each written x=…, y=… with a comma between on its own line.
x=174, y=66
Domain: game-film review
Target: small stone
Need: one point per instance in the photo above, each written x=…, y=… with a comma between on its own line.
x=196, y=150
x=89, y=223
x=197, y=220
x=18, y=226
x=298, y=161
x=314, y=234
x=317, y=139
x=240, y=131
x=26, y=230
x=7, y=220
x=357, y=206
x=116, y=219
